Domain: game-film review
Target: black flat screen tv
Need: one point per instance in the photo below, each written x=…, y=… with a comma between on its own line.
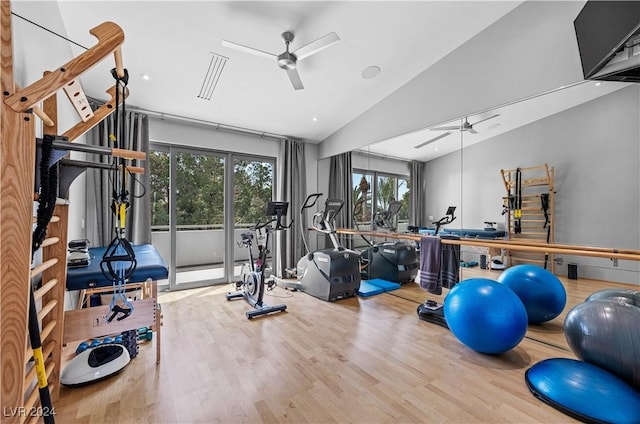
x=602, y=29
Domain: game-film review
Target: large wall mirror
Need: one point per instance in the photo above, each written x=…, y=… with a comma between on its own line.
x=587, y=133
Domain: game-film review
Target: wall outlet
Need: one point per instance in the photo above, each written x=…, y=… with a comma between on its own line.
x=559, y=261
x=615, y=262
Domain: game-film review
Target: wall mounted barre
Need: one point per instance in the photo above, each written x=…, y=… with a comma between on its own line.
x=625, y=254
x=110, y=37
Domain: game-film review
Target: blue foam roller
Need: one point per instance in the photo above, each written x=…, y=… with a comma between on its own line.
x=384, y=284
x=584, y=391
x=367, y=289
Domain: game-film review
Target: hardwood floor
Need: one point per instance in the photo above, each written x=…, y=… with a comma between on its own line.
x=360, y=360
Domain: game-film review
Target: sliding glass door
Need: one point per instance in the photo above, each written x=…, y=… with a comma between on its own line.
x=193, y=226
x=252, y=190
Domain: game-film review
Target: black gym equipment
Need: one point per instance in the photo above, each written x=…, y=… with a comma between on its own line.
x=398, y=261
x=432, y=311
x=329, y=274
x=253, y=284
x=448, y=218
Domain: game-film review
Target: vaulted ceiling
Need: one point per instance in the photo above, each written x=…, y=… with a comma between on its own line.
x=178, y=45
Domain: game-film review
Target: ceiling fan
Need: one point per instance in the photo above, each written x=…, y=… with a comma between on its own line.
x=465, y=126
x=288, y=60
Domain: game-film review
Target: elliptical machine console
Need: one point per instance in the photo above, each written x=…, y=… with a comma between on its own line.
x=328, y=274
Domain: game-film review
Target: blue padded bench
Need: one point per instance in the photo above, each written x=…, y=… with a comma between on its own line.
x=467, y=233
x=149, y=265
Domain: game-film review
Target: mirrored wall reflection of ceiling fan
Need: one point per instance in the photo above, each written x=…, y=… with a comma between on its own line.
x=464, y=126
x=288, y=60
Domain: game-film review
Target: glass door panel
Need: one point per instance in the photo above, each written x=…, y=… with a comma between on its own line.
x=160, y=193
x=198, y=244
x=252, y=190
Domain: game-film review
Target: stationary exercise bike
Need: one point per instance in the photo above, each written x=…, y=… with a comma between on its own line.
x=397, y=262
x=447, y=219
x=329, y=274
x=253, y=284
x=430, y=310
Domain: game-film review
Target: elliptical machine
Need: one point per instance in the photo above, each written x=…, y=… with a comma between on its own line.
x=328, y=274
x=253, y=284
x=397, y=262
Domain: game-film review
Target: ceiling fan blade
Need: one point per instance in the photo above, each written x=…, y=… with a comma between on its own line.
x=317, y=45
x=295, y=79
x=251, y=50
x=432, y=140
x=456, y=128
x=486, y=119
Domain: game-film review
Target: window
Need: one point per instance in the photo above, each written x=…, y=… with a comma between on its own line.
x=387, y=187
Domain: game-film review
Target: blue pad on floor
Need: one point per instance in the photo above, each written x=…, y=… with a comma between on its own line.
x=384, y=284
x=367, y=289
x=584, y=391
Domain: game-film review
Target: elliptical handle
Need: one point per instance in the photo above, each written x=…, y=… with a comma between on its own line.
x=310, y=201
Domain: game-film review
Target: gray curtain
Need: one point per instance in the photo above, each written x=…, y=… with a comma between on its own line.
x=100, y=218
x=340, y=170
x=417, y=194
x=291, y=188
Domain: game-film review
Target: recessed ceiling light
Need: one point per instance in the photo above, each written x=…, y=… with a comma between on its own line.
x=145, y=77
x=314, y=119
x=436, y=149
x=598, y=84
x=371, y=72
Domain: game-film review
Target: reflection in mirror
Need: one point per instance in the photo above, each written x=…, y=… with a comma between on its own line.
x=585, y=141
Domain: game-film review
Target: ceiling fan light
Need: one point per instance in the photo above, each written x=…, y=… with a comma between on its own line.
x=287, y=61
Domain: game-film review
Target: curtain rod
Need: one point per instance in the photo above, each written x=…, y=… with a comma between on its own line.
x=218, y=126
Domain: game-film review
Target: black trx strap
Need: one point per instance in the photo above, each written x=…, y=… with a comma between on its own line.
x=544, y=203
x=119, y=260
x=517, y=214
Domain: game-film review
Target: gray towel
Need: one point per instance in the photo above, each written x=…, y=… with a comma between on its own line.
x=449, y=264
x=430, y=259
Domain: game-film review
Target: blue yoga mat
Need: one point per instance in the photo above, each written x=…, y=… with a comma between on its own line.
x=367, y=289
x=384, y=284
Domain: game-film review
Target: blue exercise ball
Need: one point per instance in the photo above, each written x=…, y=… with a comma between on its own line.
x=485, y=315
x=542, y=293
x=607, y=334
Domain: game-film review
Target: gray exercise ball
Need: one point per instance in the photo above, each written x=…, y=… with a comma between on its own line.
x=631, y=297
x=606, y=333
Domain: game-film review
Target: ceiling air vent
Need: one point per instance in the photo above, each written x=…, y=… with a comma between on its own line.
x=213, y=70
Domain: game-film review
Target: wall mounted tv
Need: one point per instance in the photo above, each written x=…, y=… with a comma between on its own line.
x=608, y=35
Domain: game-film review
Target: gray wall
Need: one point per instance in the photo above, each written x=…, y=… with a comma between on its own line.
x=595, y=150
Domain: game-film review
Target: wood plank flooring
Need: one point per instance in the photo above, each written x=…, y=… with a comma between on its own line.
x=360, y=360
